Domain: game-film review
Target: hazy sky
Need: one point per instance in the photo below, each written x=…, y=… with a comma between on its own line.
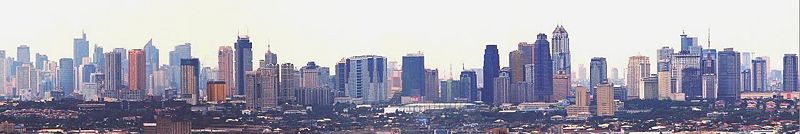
x=447, y=31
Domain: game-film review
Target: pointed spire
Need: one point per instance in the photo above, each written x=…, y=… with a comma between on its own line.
x=709, y=38
x=269, y=48
x=83, y=34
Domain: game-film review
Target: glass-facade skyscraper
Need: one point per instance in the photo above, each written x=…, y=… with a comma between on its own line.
x=491, y=68
x=728, y=73
x=561, y=55
x=413, y=75
x=66, y=76
x=598, y=72
x=243, y=61
x=790, y=72
x=81, y=49
x=543, y=70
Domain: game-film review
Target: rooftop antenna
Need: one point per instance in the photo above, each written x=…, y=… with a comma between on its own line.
x=463, y=67
x=451, y=71
x=709, y=38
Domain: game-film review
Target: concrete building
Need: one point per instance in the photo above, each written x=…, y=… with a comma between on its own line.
x=605, y=100
x=432, y=90
x=790, y=75
x=137, y=78
x=190, y=80
x=649, y=88
x=216, y=92
x=225, y=67
x=561, y=86
x=638, y=69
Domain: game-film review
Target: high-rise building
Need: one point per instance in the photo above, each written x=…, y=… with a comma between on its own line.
x=543, y=70
x=413, y=75
x=432, y=90
x=124, y=57
x=225, y=65
x=365, y=78
x=581, y=102
x=560, y=51
x=314, y=85
x=112, y=75
x=689, y=44
x=99, y=58
x=599, y=73
x=638, y=69
x=681, y=61
x=560, y=86
x=137, y=78
x=244, y=61
x=709, y=86
x=190, y=80
x=502, y=88
x=172, y=125
x=582, y=73
x=728, y=74
x=23, y=82
x=270, y=57
x=290, y=82
x=182, y=51
x=216, y=91
x=708, y=61
x=23, y=54
x=151, y=57
x=664, y=57
x=605, y=100
x=516, y=63
x=262, y=87
x=692, y=85
x=746, y=59
x=759, y=73
x=664, y=82
x=3, y=74
x=468, y=86
x=649, y=88
x=491, y=68
x=81, y=49
x=790, y=72
x=40, y=60
x=66, y=76
x=747, y=81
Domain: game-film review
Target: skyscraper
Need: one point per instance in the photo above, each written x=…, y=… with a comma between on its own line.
x=709, y=86
x=23, y=54
x=182, y=51
x=366, y=78
x=244, y=61
x=81, y=49
x=502, y=86
x=270, y=57
x=728, y=74
x=124, y=58
x=40, y=60
x=151, y=55
x=112, y=74
x=432, y=88
x=638, y=69
x=664, y=57
x=216, y=91
x=790, y=72
x=516, y=64
x=692, y=85
x=66, y=75
x=23, y=82
x=290, y=82
x=560, y=86
x=649, y=88
x=746, y=59
x=491, y=68
x=689, y=44
x=137, y=74
x=190, y=80
x=261, y=91
x=746, y=81
x=543, y=70
x=413, y=75
x=665, y=84
x=598, y=73
x=468, y=85
x=99, y=58
x=561, y=55
x=605, y=100
x=680, y=61
x=759, y=73
x=225, y=65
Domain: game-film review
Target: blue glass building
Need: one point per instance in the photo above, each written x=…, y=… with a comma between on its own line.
x=243, y=57
x=491, y=69
x=413, y=75
x=543, y=70
x=729, y=74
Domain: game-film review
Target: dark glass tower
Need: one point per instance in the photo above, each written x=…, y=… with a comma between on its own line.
x=692, y=83
x=491, y=68
x=66, y=76
x=80, y=49
x=598, y=72
x=413, y=75
x=243, y=61
x=543, y=70
x=469, y=86
x=790, y=72
x=729, y=74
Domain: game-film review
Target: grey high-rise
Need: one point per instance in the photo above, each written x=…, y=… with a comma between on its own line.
x=729, y=74
x=560, y=55
x=23, y=54
x=80, y=49
x=598, y=72
x=66, y=75
x=151, y=57
x=99, y=59
x=790, y=72
x=759, y=73
x=243, y=61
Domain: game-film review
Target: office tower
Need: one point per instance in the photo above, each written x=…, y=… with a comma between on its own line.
x=709, y=90
x=66, y=75
x=112, y=74
x=314, y=85
x=582, y=73
x=560, y=86
x=708, y=61
x=560, y=51
x=619, y=91
x=182, y=51
x=605, y=99
x=664, y=82
x=649, y=87
x=124, y=58
x=99, y=58
x=469, y=87
x=790, y=72
x=728, y=74
x=413, y=76
x=581, y=105
x=759, y=73
x=543, y=70
x=271, y=84
x=747, y=80
x=614, y=75
x=151, y=55
x=161, y=81
x=137, y=73
x=225, y=66
x=692, y=83
x=599, y=73
x=244, y=61
x=206, y=74
x=23, y=81
x=341, y=70
x=314, y=76
x=40, y=60
x=3, y=74
x=85, y=73
x=491, y=68
x=638, y=69
x=80, y=49
x=664, y=57
x=502, y=88
x=190, y=74
x=370, y=72
x=746, y=59
x=290, y=81
x=516, y=64
x=23, y=54
x=689, y=44
x=216, y=91
x=270, y=57
x=432, y=91
x=680, y=61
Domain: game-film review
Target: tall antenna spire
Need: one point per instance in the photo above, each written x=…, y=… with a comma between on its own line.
x=451, y=71
x=709, y=38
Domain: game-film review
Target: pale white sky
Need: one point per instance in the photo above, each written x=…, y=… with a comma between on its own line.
x=447, y=31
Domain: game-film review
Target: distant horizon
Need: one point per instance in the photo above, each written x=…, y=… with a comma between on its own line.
x=457, y=36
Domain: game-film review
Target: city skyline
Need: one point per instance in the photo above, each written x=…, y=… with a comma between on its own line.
x=373, y=37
